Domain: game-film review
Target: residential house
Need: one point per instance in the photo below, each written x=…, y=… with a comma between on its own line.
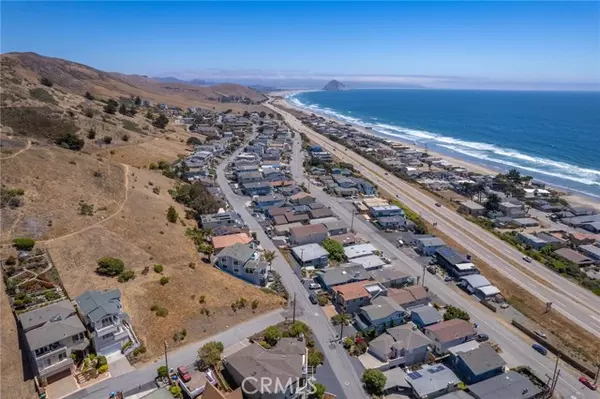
x=274, y=211
x=478, y=285
x=52, y=333
x=390, y=277
x=243, y=261
x=257, y=188
x=344, y=182
x=302, y=198
x=427, y=246
x=311, y=255
x=400, y=346
x=432, y=381
x=322, y=156
x=309, y=234
x=320, y=213
x=357, y=251
x=366, y=188
x=268, y=201
x=108, y=324
x=292, y=217
x=410, y=297
x=381, y=313
x=508, y=385
x=575, y=257
x=345, y=192
x=471, y=208
x=509, y=209
x=531, y=240
x=479, y=364
x=212, y=221
x=392, y=222
x=349, y=298
x=592, y=251
x=224, y=241
x=449, y=333
x=336, y=228
x=287, y=361
x=344, y=274
x=317, y=171
x=343, y=172
x=385, y=210
x=370, y=262
x=425, y=316
x=455, y=263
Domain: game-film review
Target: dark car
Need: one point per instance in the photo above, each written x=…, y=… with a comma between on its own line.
x=448, y=279
x=540, y=349
x=438, y=204
x=481, y=337
x=313, y=299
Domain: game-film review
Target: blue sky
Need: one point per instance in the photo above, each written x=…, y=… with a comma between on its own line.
x=468, y=41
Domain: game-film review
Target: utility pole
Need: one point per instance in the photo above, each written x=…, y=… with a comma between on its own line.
x=423, y=279
x=294, y=310
x=352, y=222
x=167, y=363
x=597, y=373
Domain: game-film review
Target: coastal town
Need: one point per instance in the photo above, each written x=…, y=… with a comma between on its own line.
x=377, y=301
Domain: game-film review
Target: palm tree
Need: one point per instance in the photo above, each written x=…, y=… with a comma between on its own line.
x=269, y=257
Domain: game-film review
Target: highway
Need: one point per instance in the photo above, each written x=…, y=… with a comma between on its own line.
x=312, y=315
x=574, y=302
x=516, y=347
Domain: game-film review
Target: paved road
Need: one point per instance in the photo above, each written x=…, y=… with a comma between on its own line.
x=324, y=333
x=184, y=356
x=516, y=346
x=574, y=302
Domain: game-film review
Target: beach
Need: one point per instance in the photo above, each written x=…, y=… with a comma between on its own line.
x=574, y=199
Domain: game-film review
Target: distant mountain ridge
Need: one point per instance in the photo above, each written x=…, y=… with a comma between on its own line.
x=335, y=85
x=172, y=79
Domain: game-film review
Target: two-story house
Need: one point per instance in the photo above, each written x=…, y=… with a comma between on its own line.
x=223, y=219
x=479, y=364
x=400, y=346
x=309, y=234
x=243, y=261
x=105, y=319
x=52, y=334
x=381, y=313
x=449, y=333
x=349, y=298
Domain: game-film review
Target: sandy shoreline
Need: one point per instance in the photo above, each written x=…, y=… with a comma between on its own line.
x=574, y=199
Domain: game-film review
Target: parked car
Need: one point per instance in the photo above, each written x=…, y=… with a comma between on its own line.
x=588, y=383
x=540, y=349
x=527, y=259
x=432, y=269
x=540, y=334
x=504, y=305
x=481, y=337
x=438, y=204
x=448, y=279
x=313, y=286
x=184, y=374
x=386, y=173
x=313, y=299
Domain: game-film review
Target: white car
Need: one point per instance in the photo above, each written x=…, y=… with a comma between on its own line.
x=314, y=286
x=527, y=259
x=504, y=305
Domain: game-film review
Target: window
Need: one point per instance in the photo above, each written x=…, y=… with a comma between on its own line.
x=107, y=336
x=107, y=322
x=62, y=356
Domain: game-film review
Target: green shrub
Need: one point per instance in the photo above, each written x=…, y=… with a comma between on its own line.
x=126, y=345
x=158, y=268
x=126, y=275
x=162, y=371
x=51, y=295
x=46, y=81
x=24, y=244
x=70, y=141
x=125, y=137
x=272, y=334
x=91, y=134
x=162, y=312
x=103, y=369
x=110, y=266
x=107, y=139
x=101, y=361
x=175, y=391
x=172, y=214
x=164, y=280
x=139, y=350
x=42, y=95
x=315, y=358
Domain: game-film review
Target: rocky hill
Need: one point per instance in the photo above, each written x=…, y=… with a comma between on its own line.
x=77, y=78
x=335, y=85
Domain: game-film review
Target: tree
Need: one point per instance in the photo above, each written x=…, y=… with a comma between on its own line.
x=111, y=107
x=343, y=318
x=123, y=109
x=315, y=358
x=138, y=101
x=318, y=392
x=70, y=141
x=262, y=114
x=149, y=115
x=161, y=122
x=91, y=134
x=493, y=202
x=172, y=215
x=210, y=354
x=89, y=96
x=158, y=268
x=335, y=249
x=23, y=244
x=162, y=371
x=269, y=257
x=374, y=381
x=111, y=267
x=246, y=114
x=107, y=139
x=46, y=81
x=514, y=176
x=272, y=335
x=453, y=312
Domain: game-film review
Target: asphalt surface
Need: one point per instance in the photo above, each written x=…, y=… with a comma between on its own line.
x=324, y=333
x=516, y=347
x=574, y=302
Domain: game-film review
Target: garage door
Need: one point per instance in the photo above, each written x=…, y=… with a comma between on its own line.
x=59, y=376
x=109, y=350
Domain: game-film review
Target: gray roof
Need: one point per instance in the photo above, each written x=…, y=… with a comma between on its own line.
x=431, y=241
x=472, y=205
x=160, y=393
x=428, y=314
x=430, y=379
x=409, y=335
x=456, y=395
x=341, y=275
x=482, y=359
x=97, y=304
x=381, y=307
x=336, y=225
x=50, y=324
x=511, y=385
x=476, y=280
x=309, y=252
x=387, y=274
x=396, y=377
x=241, y=252
x=451, y=255
x=282, y=362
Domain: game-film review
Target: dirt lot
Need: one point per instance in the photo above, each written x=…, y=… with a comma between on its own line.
x=56, y=181
x=141, y=236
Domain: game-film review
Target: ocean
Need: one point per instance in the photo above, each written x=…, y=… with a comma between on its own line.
x=552, y=136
